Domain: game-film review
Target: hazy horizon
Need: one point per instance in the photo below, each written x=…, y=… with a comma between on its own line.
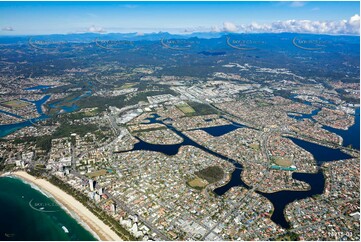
x=44, y=18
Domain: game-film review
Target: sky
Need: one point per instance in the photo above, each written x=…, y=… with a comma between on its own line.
x=35, y=18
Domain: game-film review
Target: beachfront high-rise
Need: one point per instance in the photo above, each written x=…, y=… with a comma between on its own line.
x=91, y=184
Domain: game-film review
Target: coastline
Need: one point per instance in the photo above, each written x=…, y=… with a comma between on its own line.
x=77, y=210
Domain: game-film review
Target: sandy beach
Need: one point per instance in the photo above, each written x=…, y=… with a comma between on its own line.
x=95, y=224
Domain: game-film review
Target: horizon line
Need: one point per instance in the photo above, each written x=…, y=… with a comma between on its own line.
x=136, y=33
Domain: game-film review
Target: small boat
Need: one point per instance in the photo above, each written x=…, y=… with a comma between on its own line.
x=9, y=235
x=41, y=208
x=65, y=229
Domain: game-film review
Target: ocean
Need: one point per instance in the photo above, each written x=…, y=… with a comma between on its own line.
x=26, y=213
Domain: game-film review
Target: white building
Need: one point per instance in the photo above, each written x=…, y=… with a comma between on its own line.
x=91, y=184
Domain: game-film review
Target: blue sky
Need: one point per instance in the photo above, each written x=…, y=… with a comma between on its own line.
x=19, y=18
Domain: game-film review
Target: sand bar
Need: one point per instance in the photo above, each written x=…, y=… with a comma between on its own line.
x=103, y=231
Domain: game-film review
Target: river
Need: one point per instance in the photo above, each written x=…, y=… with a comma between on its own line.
x=6, y=129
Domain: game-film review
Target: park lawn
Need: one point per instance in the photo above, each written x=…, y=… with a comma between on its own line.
x=282, y=161
x=97, y=173
x=197, y=183
x=91, y=113
x=16, y=104
x=128, y=85
x=254, y=146
x=185, y=108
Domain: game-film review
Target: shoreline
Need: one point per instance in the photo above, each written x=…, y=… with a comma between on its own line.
x=72, y=206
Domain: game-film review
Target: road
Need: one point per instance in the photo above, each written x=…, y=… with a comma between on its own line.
x=252, y=190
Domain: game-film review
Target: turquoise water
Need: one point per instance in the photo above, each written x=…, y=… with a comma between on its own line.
x=28, y=214
x=7, y=129
x=39, y=87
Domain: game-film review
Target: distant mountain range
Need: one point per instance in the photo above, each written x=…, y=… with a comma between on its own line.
x=91, y=37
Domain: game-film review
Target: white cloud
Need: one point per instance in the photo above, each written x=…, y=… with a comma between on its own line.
x=229, y=27
x=197, y=29
x=96, y=29
x=355, y=20
x=297, y=4
x=8, y=28
x=351, y=26
x=215, y=29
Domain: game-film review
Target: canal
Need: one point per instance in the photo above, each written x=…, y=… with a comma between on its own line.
x=279, y=199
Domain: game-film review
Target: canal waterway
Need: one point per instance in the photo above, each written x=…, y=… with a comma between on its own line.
x=351, y=136
x=7, y=129
x=279, y=199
